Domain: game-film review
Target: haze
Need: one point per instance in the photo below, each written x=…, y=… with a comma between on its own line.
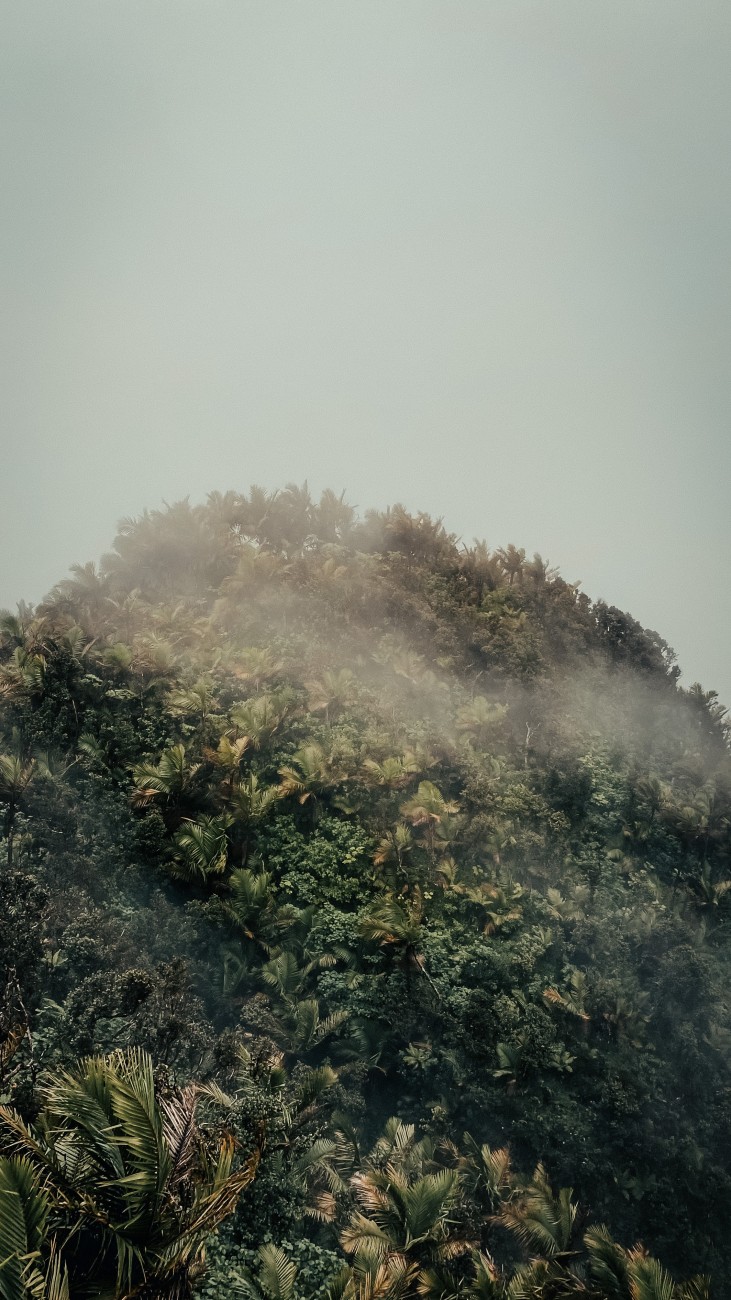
x=469, y=256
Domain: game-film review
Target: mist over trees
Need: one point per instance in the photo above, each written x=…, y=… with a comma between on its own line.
x=365, y=906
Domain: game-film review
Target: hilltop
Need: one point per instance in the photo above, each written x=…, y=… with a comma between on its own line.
x=414, y=860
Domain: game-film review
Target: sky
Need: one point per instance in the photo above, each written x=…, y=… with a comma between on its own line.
x=471, y=256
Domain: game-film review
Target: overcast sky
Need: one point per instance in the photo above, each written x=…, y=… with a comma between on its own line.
x=469, y=255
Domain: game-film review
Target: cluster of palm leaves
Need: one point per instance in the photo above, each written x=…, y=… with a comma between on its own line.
x=179, y=786
x=115, y=1188
x=419, y=1220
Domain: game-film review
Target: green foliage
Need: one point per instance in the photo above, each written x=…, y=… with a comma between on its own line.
x=201, y=849
x=126, y=1173
x=23, y=1222
x=337, y=818
x=327, y=865
x=168, y=779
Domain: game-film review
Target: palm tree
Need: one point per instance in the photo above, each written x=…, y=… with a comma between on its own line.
x=258, y=720
x=303, y=1028
x=711, y=716
x=398, y=1145
x=710, y=894
x=331, y=692
x=501, y=904
x=86, y=593
x=512, y=561
x=154, y=663
x=486, y=1282
x=626, y=1017
x=310, y=773
x=19, y=629
x=170, y=779
x=394, y=849
x=197, y=701
x=428, y=808
x=481, y=569
x=292, y=517
x=418, y=537
x=409, y=664
x=276, y=1279
x=332, y=517
x=229, y=757
x=126, y=611
x=632, y=1274
x=542, y=1278
x=255, y=570
x=202, y=849
x=396, y=927
x=118, y=658
x=511, y=1062
x=300, y=1093
x=255, y=664
x=16, y=776
x=225, y=517
x=701, y=822
x=298, y=1022
x=497, y=838
x=394, y=772
x=23, y=675
x=252, y=910
x=251, y=907
x=249, y=803
x=403, y=1227
x=573, y=1000
x=541, y=1220
x=295, y=1104
x=479, y=719
x=133, y=1182
x=486, y=1173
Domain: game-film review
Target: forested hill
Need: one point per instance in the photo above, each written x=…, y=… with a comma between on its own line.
x=365, y=924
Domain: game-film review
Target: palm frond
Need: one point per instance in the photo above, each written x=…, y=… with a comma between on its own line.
x=648, y=1278
x=608, y=1262
x=179, y=1132
x=277, y=1272
x=427, y=1203
x=23, y=1216
x=363, y=1238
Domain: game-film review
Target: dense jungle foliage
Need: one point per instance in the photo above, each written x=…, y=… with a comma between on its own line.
x=365, y=910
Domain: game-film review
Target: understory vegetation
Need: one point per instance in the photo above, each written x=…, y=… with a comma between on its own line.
x=365, y=925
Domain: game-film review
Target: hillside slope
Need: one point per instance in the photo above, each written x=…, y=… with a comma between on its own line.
x=346, y=821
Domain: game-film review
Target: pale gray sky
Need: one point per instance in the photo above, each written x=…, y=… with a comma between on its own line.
x=470, y=255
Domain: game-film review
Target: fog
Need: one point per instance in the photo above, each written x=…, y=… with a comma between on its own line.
x=469, y=256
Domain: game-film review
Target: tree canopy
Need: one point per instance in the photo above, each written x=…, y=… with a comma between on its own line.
x=365, y=906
